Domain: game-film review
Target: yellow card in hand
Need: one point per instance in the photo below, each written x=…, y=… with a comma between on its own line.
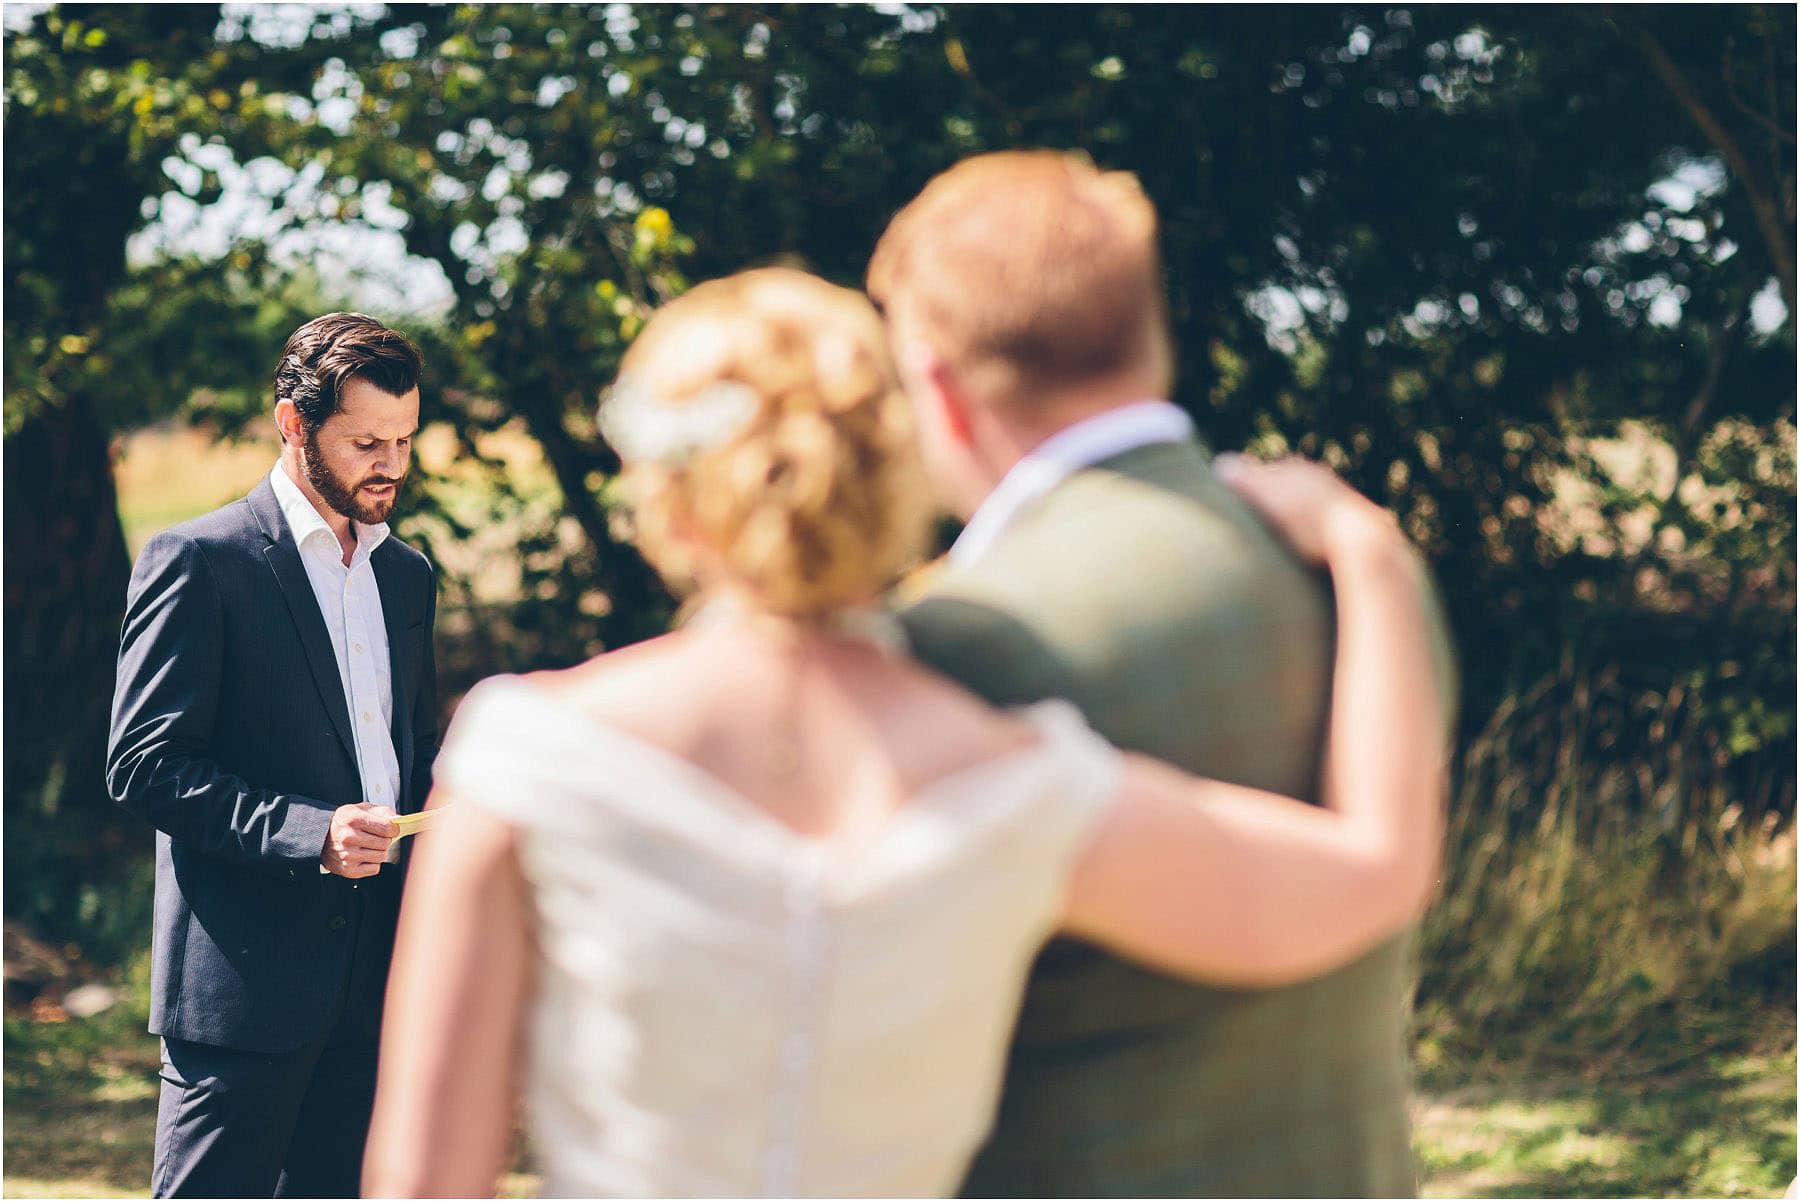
x=412, y=824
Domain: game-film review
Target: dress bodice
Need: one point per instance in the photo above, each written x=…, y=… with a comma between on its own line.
x=725, y=1007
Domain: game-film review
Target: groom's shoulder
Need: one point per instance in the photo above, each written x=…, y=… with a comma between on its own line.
x=1156, y=548
x=207, y=551
x=1159, y=519
x=986, y=641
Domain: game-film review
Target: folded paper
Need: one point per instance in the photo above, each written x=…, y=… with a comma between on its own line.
x=412, y=824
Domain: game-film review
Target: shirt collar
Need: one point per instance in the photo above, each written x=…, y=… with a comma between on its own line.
x=308, y=523
x=1083, y=444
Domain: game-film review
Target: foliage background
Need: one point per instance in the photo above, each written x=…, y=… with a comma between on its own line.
x=1524, y=273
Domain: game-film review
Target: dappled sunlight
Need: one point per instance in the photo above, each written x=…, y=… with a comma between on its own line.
x=1724, y=1130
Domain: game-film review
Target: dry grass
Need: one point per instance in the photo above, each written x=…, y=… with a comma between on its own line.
x=1589, y=907
x=169, y=473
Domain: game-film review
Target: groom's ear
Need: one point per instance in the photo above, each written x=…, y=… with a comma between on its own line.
x=946, y=395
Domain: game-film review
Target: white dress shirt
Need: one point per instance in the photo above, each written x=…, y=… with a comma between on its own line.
x=1087, y=442
x=350, y=602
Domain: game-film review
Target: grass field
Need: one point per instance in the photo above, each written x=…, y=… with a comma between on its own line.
x=81, y=1108
x=1722, y=1129
x=80, y=1117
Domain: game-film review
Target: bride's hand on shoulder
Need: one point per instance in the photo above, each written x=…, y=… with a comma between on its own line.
x=1322, y=518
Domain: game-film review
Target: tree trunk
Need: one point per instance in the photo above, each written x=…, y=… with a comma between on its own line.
x=66, y=573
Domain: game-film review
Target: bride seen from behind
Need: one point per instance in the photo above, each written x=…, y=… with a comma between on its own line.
x=748, y=909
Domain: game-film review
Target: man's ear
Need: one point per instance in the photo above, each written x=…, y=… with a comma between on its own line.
x=287, y=421
x=947, y=391
x=941, y=388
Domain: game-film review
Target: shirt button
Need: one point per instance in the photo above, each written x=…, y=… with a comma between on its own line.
x=338, y=922
x=359, y=648
x=366, y=717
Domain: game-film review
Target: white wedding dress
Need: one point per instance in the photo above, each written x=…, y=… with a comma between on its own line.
x=723, y=1007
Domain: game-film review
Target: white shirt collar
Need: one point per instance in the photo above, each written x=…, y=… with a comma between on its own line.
x=308, y=523
x=1083, y=444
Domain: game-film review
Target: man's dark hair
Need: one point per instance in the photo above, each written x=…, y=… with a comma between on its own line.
x=328, y=350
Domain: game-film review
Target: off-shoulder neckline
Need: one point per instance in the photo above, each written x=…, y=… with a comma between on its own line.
x=1054, y=719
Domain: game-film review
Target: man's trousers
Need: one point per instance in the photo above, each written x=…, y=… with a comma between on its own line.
x=238, y=1124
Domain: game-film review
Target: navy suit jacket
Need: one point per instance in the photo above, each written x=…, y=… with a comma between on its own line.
x=231, y=737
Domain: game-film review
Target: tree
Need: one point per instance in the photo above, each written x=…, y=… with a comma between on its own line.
x=1456, y=251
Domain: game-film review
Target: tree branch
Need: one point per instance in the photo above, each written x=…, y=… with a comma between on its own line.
x=1689, y=432
x=1744, y=108
x=1762, y=204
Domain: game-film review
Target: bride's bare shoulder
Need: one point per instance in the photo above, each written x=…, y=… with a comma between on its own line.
x=628, y=678
x=962, y=725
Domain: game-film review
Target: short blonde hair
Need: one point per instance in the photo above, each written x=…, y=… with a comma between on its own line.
x=814, y=499
x=1032, y=268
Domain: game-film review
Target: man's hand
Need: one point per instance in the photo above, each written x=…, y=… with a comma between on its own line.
x=358, y=840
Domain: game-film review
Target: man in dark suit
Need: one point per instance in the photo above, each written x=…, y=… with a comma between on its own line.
x=275, y=710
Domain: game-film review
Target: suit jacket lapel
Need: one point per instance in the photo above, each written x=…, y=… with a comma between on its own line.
x=401, y=651
x=284, y=560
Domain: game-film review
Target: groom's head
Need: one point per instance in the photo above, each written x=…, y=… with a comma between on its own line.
x=1022, y=292
x=347, y=407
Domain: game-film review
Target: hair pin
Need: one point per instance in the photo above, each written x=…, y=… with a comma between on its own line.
x=644, y=427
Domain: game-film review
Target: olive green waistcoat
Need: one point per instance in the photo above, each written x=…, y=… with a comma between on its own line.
x=1147, y=593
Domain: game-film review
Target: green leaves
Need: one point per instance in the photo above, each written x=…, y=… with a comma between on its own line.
x=1400, y=239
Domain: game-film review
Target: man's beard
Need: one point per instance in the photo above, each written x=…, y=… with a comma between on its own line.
x=341, y=495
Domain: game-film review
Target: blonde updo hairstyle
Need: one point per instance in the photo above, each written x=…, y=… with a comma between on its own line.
x=812, y=498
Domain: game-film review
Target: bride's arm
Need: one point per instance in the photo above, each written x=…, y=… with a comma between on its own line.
x=451, y=1037
x=1242, y=887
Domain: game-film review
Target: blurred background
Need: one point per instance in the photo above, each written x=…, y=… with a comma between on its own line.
x=1526, y=275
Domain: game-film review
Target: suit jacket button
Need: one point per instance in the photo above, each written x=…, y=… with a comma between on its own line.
x=338, y=922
